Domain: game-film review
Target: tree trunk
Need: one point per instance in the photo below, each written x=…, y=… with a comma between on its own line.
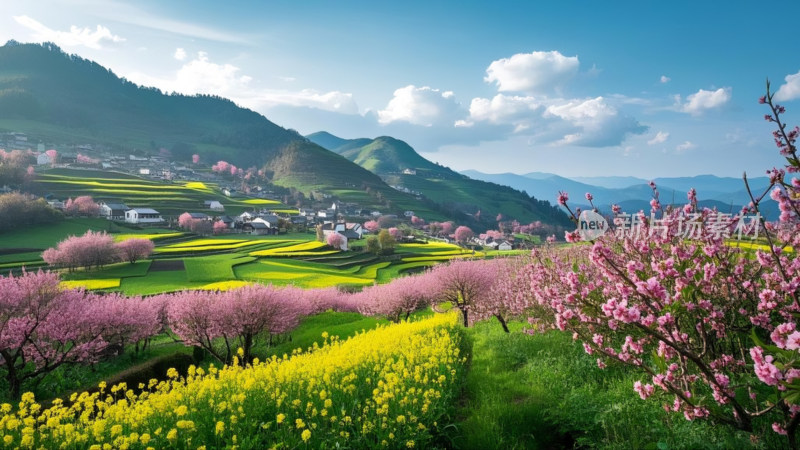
x=502, y=322
x=14, y=383
x=466, y=318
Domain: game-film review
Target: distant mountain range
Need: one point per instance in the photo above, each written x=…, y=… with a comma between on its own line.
x=727, y=194
x=401, y=166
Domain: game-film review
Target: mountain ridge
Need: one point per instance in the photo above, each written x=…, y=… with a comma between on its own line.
x=58, y=98
x=724, y=193
x=401, y=166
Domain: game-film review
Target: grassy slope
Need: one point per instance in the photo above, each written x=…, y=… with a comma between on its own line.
x=562, y=399
x=45, y=236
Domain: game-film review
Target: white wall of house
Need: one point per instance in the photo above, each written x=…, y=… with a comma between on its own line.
x=138, y=216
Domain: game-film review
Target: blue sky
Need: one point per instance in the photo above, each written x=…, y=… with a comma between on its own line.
x=577, y=88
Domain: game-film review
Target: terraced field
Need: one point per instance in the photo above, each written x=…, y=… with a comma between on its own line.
x=170, y=199
x=185, y=261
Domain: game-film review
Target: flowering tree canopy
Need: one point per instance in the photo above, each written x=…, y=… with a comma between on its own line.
x=336, y=240
x=711, y=326
x=43, y=326
x=134, y=249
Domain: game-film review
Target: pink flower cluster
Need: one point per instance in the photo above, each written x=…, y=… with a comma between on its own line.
x=687, y=311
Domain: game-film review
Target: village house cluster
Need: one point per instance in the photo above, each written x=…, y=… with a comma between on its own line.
x=341, y=218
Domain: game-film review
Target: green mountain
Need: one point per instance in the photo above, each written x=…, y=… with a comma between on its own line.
x=400, y=165
x=61, y=99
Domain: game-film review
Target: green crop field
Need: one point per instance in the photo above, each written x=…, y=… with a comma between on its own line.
x=186, y=261
x=214, y=268
x=169, y=198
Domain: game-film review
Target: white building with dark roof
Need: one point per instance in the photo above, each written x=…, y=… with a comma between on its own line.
x=113, y=211
x=143, y=215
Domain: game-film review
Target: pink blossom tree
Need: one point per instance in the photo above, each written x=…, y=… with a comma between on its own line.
x=464, y=284
x=372, y=226
x=397, y=299
x=220, y=227
x=495, y=234
x=53, y=155
x=185, y=221
x=83, y=205
x=446, y=228
x=195, y=225
x=127, y=320
x=43, y=327
x=396, y=233
x=335, y=240
x=134, y=249
x=221, y=167
x=222, y=322
x=417, y=221
x=710, y=325
x=93, y=249
x=509, y=295
x=463, y=234
x=195, y=158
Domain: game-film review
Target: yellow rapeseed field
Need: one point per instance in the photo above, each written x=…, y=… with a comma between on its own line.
x=296, y=249
x=105, y=283
x=386, y=388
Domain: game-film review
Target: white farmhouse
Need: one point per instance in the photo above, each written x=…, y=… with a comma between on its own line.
x=143, y=215
x=214, y=205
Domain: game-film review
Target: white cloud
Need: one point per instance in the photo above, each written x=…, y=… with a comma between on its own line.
x=594, y=123
x=659, y=138
x=334, y=101
x=582, y=110
x=532, y=72
x=789, y=90
x=421, y=106
x=74, y=37
x=202, y=76
x=687, y=145
x=703, y=100
x=502, y=108
x=665, y=79
x=180, y=54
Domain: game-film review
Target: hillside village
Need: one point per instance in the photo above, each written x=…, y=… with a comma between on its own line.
x=321, y=212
